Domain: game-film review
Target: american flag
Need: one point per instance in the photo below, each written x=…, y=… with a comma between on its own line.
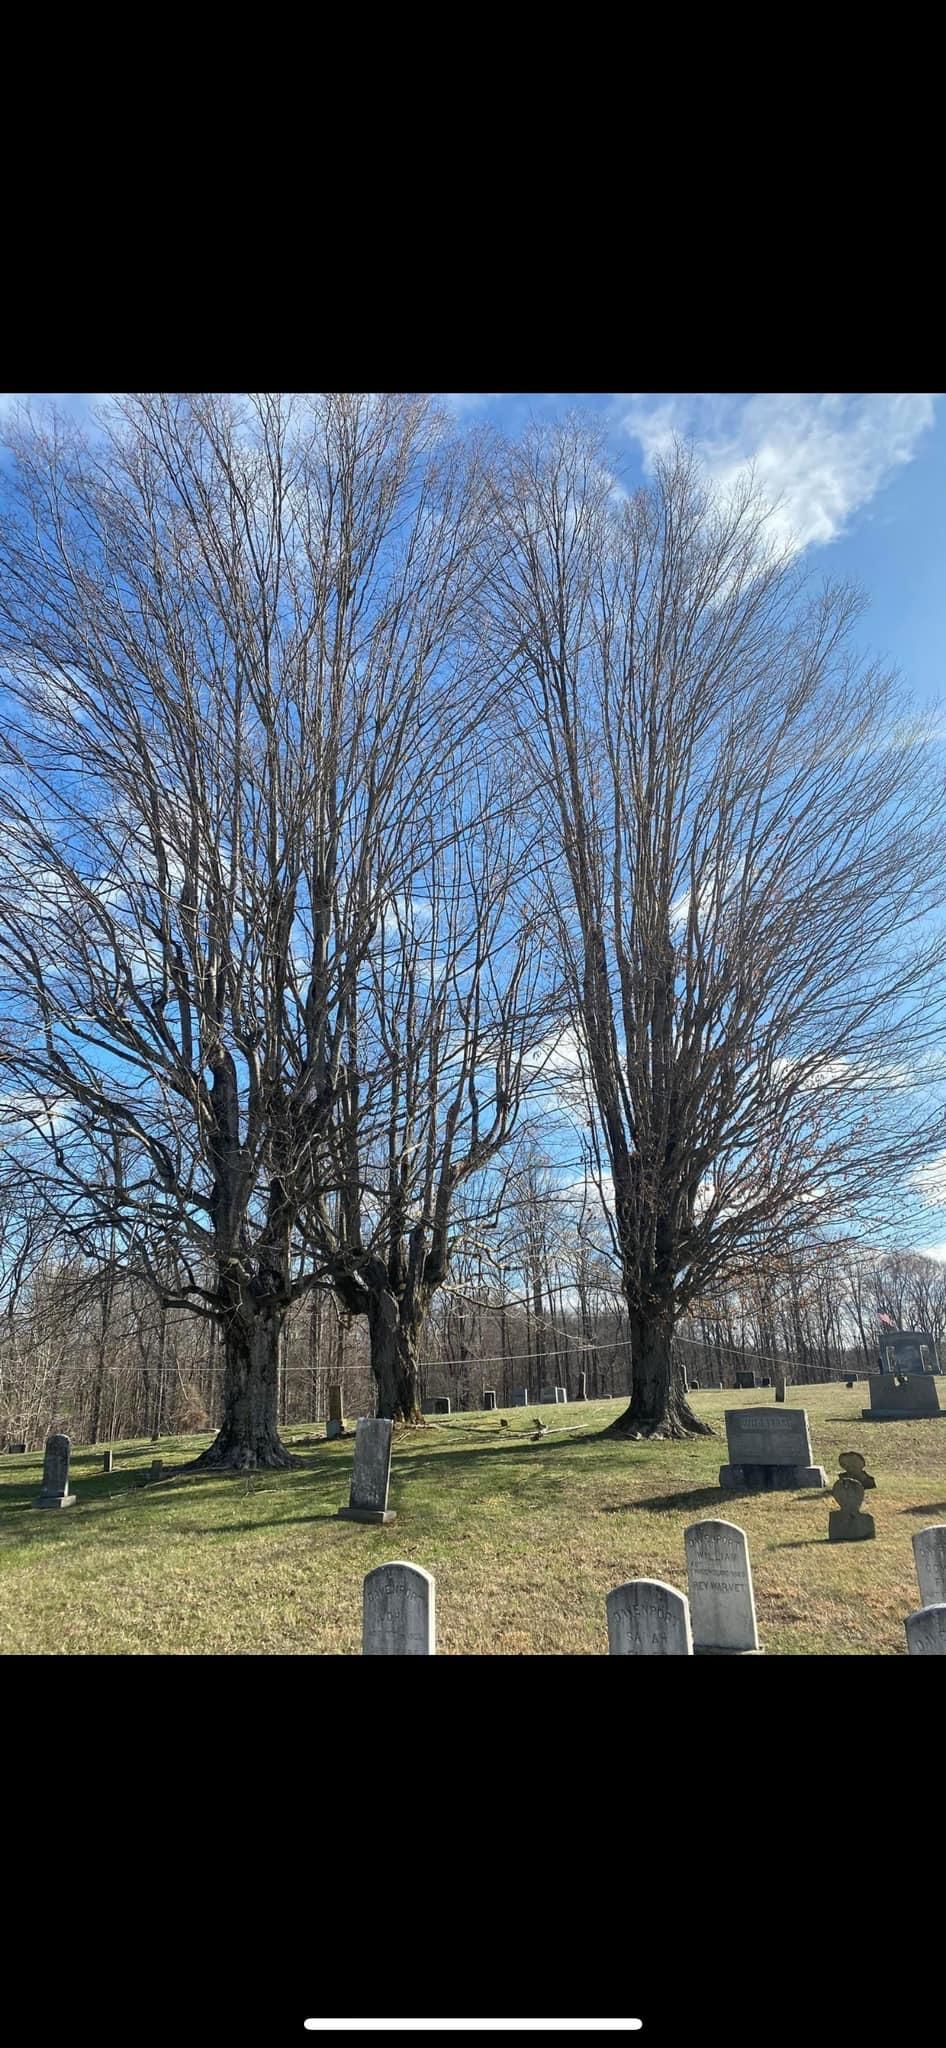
x=886, y=1322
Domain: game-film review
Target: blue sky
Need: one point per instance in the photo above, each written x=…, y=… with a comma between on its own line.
x=860, y=480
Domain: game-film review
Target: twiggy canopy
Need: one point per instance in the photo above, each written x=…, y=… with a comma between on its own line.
x=745, y=833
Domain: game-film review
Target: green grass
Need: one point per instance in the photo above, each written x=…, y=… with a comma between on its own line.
x=525, y=1540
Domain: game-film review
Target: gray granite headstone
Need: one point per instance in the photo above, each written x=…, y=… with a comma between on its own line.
x=333, y=1429
x=890, y=1403
x=16, y=1447
x=335, y=1403
x=648, y=1619
x=399, y=1612
x=489, y=1397
x=520, y=1397
x=719, y=1582
x=55, y=1492
x=582, y=1394
x=371, y=1473
x=769, y=1451
x=929, y=1550
x=108, y=1461
x=926, y=1631
x=745, y=1379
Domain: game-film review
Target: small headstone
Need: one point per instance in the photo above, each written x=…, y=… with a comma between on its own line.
x=846, y=1524
x=929, y=1550
x=719, y=1582
x=520, y=1397
x=769, y=1451
x=108, y=1462
x=850, y=1383
x=371, y=1473
x=440, y=1405
x=157, y=1467
x=648, y=1619
x=582, y=1394
x=55, y=1491
x=16, y=1447
x=335, y=1403
x=333, y=1428
x=745, y=1379
x=765, y=1383
x=399, y=1618
x=926, y=1631
x=489, y=1397
x=560, y=1394
x=780, y=1391
x=694, y=1386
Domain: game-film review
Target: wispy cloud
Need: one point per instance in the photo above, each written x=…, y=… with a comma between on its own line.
x=821, y=455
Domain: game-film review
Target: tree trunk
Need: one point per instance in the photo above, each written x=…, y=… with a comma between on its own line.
x=393, y=1359
x=248, y=1438
x=658, y=1405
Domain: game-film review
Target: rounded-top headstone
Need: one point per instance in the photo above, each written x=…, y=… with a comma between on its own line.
x=719, y=1578
x=647, y=1618
x=926, y=1631
x=399, y=1611
x=929, y=1550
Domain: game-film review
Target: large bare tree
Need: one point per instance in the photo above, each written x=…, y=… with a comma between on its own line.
x=444, y=1030
x=745, y=847
x=233, y=651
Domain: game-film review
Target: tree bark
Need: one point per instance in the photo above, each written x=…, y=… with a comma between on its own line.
x=248, y=1439
x=393, y=1340
x=658, y=1405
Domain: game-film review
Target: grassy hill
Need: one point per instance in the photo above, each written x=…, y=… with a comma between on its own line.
x=525, y=1540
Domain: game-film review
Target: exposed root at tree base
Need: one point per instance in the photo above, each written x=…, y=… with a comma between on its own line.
x=669, y=1430
x=237, y=1462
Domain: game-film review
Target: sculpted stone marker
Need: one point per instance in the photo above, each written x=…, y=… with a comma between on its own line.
x=719, y=1582
x=55, y=1493
x=769, y=1451
x=398, y=1612
x=926, y=1632
x=929, y=1550
x=648, y=1619
x=846, y=1524
x=371, y=1474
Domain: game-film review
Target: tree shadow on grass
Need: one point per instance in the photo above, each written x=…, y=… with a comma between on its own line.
x=930, y=1507
x=668, y=1503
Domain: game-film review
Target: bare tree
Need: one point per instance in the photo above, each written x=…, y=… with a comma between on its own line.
x=745, y=847
x=440, y=1028
x=233, y=652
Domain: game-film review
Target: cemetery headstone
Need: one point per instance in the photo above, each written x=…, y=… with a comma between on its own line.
x=333, y=1429
x=648, y=1619
x=765, y=1383
x=55, y=1490
x=694, y=1386
x=846, y=1523
x=399, y=1614
x=335, y=1425
x=582, y=1394
x=371, y=1473
x=929, y=1551
x=439, y=1405
x=719, y=1583
x=108, y=1461
x=560, y=1394
x=926, y=1631
x=157, y=1467
x=768, y=1452
x=520, y=1397
x=16, y=1447
x=915, y=1399
x=489, y=1398
x=745, y=1379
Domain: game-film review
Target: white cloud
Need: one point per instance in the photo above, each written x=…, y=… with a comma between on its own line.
x=822, y=455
